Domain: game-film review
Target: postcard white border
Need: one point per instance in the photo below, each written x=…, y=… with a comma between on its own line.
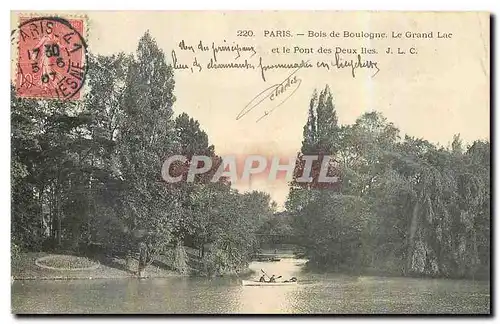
x=32, y=5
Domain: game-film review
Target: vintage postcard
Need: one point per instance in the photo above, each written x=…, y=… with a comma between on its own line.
x=250, y=162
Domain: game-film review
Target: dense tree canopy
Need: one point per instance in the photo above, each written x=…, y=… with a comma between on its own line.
x=91, y=172
x=404, y=206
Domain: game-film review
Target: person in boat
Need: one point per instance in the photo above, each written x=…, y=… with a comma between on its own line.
x=272, y=279
x=262, y=279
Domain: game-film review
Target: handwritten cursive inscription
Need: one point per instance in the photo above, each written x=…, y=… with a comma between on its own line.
x=277, y=93
x=263, y=67
x=358, y=63
x=177, y=65
x=212, y=57
x=216, y=49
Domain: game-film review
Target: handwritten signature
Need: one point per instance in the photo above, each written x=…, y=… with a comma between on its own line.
x=274, y=93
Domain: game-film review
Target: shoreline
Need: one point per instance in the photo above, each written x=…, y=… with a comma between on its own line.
x=26, y=268
x=64, y=278
x=373, y=272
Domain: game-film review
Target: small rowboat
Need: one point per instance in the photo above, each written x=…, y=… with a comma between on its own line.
x=258, y=283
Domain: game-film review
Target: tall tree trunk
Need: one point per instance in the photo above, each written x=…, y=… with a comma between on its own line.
x=52, y=215
x=143, y=258
x=40, y=204
x=475, y=261
x=411, y=238
x=59, y=236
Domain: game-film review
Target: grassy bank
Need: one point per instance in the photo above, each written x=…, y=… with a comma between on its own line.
x=23, y=267
x=66, y=266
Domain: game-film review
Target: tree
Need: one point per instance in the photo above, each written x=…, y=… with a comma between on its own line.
x=404, y=207
x=27, y=230
x=145, y=138
x=90, y=172
x=320, y=133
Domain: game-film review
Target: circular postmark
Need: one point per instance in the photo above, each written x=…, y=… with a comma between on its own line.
x=52, y=58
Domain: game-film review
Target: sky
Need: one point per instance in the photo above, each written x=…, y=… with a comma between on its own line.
x=438, y=92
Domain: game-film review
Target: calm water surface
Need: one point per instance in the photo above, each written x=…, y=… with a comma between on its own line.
x=315, y=293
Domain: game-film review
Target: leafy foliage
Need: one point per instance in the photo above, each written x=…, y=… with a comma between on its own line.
x=405, y=206
x=89, y=174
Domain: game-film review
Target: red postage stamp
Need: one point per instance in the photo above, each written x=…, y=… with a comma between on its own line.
x=52, y=58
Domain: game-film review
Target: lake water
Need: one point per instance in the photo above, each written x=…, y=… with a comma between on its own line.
x=315, y=293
